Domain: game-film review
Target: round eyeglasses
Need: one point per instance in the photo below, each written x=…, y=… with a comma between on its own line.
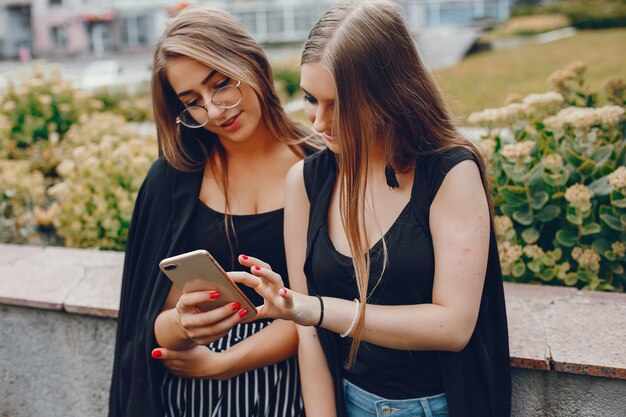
x=225, y=97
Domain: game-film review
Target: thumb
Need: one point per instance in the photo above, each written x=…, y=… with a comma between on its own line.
x=163, y=353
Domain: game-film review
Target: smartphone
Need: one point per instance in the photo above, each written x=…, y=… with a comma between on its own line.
x=199, y=271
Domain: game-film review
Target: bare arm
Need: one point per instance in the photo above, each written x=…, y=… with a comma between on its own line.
x=316, y=381
x=459, y=223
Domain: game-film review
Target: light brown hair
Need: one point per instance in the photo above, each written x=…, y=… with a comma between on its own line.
x=385, y=98
x=216, y=39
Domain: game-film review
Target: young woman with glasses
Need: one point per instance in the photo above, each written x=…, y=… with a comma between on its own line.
x=226, y=146
x=389, y=231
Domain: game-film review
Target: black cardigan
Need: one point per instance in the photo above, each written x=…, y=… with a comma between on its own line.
x=163, y=208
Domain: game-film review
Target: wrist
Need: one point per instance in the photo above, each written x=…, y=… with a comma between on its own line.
x=309, y=311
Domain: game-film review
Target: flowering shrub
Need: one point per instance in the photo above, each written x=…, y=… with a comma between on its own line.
x=39, y=107
x=559, y=182
x=101, y=174
x=21, y=192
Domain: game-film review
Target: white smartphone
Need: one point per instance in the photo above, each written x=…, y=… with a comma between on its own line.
x=199, y=271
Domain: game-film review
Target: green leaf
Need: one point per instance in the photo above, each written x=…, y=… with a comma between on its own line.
x=548, y=213
x=535, y=174
x=539, y=200
x=547, y=274
x=508, y=210
x=621, y=203
x=602, y=154
x=613, y=222
x=514, y=195
x=601, y=186
x=573, y=157
x=566, y=238
x=590, y=229
x=601, y=245
x=574, y=218
x=610, y=255
x=530, y=235
x=513, y=172
x=587, y=168
x=519, y=269
x=571, y=279
x=523, y=217
x=534, y=266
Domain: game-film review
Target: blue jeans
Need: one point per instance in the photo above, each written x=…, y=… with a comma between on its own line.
x=360, y=403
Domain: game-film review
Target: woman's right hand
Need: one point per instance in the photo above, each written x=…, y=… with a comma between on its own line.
x=279, y=302
x=204, y=327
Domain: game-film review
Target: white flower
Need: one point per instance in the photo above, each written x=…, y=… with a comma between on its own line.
x=579, y=195
x=617, y=178
x=518, y=152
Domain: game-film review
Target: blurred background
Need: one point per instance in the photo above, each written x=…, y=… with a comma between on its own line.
x=527, y=79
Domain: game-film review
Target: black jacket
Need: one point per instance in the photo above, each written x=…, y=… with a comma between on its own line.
x=163, y=208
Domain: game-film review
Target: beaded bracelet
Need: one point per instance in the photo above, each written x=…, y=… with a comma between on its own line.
x=356, y=314
x=319, y=322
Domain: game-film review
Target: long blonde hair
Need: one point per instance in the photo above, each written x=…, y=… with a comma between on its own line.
x=385, y=98
x=216, y=39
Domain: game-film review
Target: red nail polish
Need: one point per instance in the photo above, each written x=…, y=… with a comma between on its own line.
x=156, y=353
x=285, y=291
x=214, y=295
x=243, y=313
x=236, y=306
x=244, y=257
x=257, y=268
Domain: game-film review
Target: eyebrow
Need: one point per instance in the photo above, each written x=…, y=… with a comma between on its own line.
x=204, y=81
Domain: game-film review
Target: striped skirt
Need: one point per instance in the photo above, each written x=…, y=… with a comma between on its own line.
x=272, y=391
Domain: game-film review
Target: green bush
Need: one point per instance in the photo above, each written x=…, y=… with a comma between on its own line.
x=584, y=14
x=40, y=107
x=559, y=182
x=105, y=163
x=135, y=106
x=22, y=191
x=288, y=80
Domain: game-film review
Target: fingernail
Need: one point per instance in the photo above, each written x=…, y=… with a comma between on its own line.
x=244, y=257
x=285, y=291
x=156, y=353
x=214, y=295
x=236, y=306
x=257, y=268
x=243, y=313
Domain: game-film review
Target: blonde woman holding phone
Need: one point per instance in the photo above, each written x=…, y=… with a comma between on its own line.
x=391, y=252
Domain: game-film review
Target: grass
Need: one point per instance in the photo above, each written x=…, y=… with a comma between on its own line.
x=485, y=79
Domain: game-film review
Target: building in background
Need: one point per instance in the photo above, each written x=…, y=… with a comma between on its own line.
x=66, y=28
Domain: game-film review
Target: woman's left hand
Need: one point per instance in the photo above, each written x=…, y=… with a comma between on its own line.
x=197, y=362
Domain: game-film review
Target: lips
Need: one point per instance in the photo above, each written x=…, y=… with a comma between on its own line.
x=230, y=121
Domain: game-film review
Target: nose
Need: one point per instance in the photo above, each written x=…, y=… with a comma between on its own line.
x=213, y=111
x=323, y=119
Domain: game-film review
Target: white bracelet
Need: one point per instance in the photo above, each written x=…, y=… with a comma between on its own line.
x=356, y=314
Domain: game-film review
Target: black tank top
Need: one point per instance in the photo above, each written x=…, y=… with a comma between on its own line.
x=477, y=379
x=407, y=279
x=258, y=235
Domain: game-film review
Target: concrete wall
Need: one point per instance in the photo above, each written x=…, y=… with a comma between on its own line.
x=57, y=364
x=54, y=364
x=547, y=394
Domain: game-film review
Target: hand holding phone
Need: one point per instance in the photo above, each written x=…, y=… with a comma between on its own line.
x=198, y=271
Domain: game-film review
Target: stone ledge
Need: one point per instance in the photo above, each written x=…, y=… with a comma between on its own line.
x=552, y=329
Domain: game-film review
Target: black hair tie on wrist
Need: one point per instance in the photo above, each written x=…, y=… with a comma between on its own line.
x=319, y=323
x=392, y=180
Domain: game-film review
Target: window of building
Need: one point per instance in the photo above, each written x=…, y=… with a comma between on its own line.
x=55, y=2
x=58, y=35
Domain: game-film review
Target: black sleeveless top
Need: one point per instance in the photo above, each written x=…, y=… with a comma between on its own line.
x=273, y=390
x=477, y=379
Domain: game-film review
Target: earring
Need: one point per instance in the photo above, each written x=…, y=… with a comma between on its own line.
x=392, y=180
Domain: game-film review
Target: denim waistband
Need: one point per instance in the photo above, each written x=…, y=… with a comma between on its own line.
x=432, y=406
